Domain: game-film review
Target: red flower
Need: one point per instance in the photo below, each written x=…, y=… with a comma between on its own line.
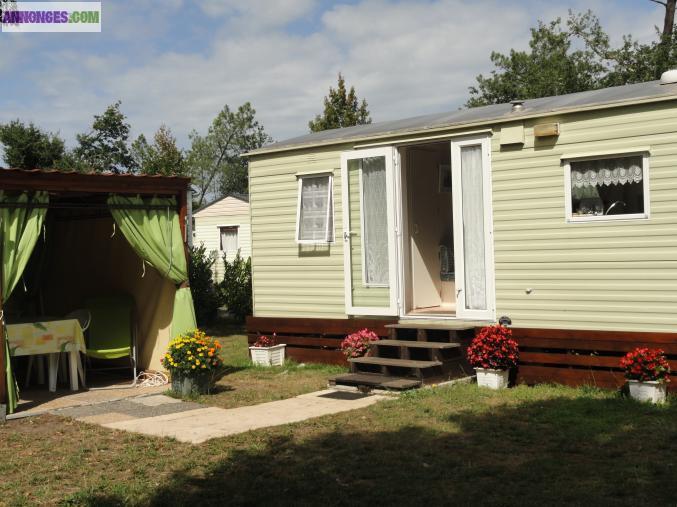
x=494, y=348
x=357, y=344
x=646, y=364
x=264, y=341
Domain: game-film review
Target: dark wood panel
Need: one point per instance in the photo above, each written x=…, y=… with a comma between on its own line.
x=304, y=341
x=583, y=343
x=590, y=335
x=577, y=359
x=315, y=326
x=302, y=355
x=55, y=181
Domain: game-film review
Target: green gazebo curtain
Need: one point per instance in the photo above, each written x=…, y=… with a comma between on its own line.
x=152, y=228
x=20, y=226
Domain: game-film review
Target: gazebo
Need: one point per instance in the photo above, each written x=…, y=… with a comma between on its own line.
x=67, y=236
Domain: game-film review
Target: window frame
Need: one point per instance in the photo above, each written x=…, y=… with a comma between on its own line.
x=329, y=233
x=228, y=226
x=570, y=218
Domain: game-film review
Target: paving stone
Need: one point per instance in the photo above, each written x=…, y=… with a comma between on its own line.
x=106, y=418
x=201, y=424
x=155, y=401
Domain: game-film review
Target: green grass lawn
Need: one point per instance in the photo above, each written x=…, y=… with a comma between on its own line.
x=456, y=445
x=245, y=384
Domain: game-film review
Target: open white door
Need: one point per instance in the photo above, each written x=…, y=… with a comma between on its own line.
x=473, y=230
x=369, y=231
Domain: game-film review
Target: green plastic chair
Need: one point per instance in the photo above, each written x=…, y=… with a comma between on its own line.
x=112, y=331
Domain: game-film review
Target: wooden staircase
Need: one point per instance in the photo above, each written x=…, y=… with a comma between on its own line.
x=415, y=354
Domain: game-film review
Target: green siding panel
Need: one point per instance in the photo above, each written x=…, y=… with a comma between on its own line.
x=605, y=276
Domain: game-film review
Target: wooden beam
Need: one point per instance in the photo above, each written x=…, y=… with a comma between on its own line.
x=68, y=182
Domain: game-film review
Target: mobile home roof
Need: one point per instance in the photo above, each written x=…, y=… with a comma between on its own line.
x=595, y=99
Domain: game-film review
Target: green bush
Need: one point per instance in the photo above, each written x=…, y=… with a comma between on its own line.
x=236, y=287
x=206, y=296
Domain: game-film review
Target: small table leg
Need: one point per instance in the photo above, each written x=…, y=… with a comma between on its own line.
x=53, y=368
x=73, y=367
x=81, y=370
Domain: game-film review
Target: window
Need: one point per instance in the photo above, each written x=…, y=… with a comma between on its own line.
x=229, y=240
x=607, y=188
x=374, y=222
x=315, y=213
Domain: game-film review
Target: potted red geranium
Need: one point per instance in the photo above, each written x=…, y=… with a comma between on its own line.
x=648, y=373
x=357, y=344
x=492, y=353
x=267, y=352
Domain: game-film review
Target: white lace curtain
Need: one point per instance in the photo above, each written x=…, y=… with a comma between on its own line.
x=607, y=171
x=472, y=188
x=314, y=214
x=375, y=213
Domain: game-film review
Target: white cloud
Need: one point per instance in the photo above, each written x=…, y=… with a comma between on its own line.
x=405, y=58
x=261, y=13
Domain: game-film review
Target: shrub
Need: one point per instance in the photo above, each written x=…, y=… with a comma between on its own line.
x=206, y=297
x=357, y=344
x=236, y=288
x=265, y=342
x=493, y=348
x=646, y=364
x=193, y=353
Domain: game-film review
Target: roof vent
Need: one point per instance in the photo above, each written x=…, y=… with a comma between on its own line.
x=517, y=105
x=669, y=77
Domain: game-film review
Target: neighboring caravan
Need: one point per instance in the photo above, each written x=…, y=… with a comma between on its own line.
x=222, y=227
x=559, y=213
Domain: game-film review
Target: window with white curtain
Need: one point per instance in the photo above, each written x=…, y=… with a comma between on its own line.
x=229, y=239
x=374, y=207
x=315, y=214
x=607, y=188
x=472, y=190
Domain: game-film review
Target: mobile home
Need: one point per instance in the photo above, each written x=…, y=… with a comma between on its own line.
x=222, y=227
x=558, y=214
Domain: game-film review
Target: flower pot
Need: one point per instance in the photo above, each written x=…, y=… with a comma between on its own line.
x=650, y=390
x=268, y=356
x=190, y=385
x=493, y=379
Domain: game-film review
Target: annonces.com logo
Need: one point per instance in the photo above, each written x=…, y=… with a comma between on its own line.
x=50, y=16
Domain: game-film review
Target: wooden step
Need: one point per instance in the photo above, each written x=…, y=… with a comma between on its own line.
x=376, y=380
x=416, y=344
x=402, y=363
x=457, y=325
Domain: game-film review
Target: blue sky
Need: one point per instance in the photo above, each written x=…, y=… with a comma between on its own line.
x=178, y=62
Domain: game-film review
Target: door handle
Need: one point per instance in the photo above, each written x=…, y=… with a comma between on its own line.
x=458, y=292
x=347, y=234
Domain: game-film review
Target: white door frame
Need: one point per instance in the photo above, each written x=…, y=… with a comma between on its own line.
x=461, y=312
x=391, y=164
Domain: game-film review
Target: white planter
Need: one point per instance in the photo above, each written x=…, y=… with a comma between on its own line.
x=651, y=390
x=493, y=379
x=268, y=356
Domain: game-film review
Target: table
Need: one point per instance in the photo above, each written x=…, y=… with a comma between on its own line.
x=50, y=337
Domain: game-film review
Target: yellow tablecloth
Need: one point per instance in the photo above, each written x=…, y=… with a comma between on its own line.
x=45, y=337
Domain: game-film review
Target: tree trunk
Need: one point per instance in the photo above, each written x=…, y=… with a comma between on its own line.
x=669, y=23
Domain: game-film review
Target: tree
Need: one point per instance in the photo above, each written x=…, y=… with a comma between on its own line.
x=214, y=162
x=162, y=157
x=105, y=147
x=341, y=109
x=28, y=147
x=575, y=57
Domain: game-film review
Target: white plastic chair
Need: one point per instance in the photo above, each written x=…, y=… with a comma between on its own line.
x=83, y=316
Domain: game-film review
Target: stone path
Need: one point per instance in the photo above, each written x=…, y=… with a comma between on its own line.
x=163, y=416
